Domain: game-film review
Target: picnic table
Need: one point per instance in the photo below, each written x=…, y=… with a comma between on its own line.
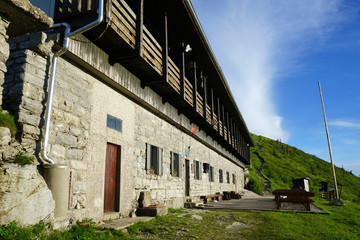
x=297, y=196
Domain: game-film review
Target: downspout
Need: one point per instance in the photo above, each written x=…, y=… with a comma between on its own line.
x=65, y=47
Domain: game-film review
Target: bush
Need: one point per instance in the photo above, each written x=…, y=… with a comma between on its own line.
x=7, y=120
x=22, y=159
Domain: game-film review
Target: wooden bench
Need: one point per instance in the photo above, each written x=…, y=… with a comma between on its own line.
x=217, y=197
x=296, y=196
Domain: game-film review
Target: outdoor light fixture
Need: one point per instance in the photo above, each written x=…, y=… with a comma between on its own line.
x=188, y=48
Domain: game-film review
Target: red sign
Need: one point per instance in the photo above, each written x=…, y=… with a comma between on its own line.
x=193, y=129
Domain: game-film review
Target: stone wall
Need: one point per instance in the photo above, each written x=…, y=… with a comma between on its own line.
x=4, y=51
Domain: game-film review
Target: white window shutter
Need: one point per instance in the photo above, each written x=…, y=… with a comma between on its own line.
x=180, y=166
x=160, y=161
x=148, y=158
x=200, y=171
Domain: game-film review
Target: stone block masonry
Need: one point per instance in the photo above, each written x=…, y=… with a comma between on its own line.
x=4, y=51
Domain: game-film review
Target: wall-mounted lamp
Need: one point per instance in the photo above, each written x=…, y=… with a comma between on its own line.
x=188, y=48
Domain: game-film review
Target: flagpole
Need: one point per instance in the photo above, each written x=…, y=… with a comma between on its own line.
x=329, y=144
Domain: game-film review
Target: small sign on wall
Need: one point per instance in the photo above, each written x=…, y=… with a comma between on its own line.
x=187, y=153
x=193, y=129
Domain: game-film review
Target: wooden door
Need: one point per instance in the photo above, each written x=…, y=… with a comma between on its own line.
x=187, y=178
x=112, y=178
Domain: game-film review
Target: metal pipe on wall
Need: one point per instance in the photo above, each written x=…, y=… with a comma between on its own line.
x=65, y=47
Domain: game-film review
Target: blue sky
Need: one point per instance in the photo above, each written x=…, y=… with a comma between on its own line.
x=273, y=52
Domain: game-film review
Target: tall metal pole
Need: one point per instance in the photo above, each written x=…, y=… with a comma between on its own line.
x=328, y=139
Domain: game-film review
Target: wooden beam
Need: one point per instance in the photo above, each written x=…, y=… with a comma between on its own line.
x=139, y=28
x=195, y=88
x=212, y=105
x=228, y=126
x=182, y=71
x=218, y=113
x=205, y=99
x=165, y=50
x=223, y=123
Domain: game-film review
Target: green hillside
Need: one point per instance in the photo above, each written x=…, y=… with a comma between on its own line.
x=280, y=163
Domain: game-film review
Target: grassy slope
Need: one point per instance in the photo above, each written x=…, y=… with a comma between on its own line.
x=282, y=163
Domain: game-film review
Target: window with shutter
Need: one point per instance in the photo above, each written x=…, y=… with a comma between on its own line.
x=154, y=160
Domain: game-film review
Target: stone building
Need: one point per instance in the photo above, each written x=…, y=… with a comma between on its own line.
x=139, y=105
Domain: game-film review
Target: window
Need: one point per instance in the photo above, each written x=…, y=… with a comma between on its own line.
x=211, y=174
x=175, y=165
x=114, y=123
x=206, y=167
x=220, y=176
x=227, y=177
x=153, y=160
x=197, y=173
x=234, y=178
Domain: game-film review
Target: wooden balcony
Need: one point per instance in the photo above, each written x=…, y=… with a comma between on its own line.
x=134, y=42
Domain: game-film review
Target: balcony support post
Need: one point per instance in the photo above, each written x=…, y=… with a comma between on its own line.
x=195, y=88
x=212, y=106
x=223, y=122
x=218, y=113
x=182, y=71
x=140, y=28
x=205, y=98
x=165, y=50
x=228, y=127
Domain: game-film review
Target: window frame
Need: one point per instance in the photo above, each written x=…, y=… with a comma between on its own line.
x=221, y=177
x=197, y=170
x=211, y=174
x=228, y=177
x=154, y=160
x=175, y=165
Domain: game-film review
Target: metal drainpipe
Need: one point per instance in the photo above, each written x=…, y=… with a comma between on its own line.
x=53, y=71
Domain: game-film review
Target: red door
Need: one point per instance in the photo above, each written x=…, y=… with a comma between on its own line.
x=112, y=178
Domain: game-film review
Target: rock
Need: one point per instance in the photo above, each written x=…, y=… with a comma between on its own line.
x=5, y=138
x=196, y=217
x=236, y=225
x=24, y=196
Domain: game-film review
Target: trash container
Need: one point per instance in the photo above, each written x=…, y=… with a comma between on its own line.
x=301, y=184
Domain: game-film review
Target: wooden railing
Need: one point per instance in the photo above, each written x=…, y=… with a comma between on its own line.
x=124, y=21
x=208, y=113
x=215, y=122
x=225, y=133
x=65, y=8
x=189, y=92
x=174, y=76
x=199, y=104
x=220, y=128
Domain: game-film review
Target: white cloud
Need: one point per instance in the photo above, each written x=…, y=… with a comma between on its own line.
x=257, y=41
x=345, y=124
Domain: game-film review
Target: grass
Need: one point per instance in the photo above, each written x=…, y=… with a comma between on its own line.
x=341, y=223
x=22, y=159
x=282, y=163
x=7, y=120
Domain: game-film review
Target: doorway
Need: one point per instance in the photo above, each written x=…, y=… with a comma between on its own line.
x=112, y=178
x=187, y=178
